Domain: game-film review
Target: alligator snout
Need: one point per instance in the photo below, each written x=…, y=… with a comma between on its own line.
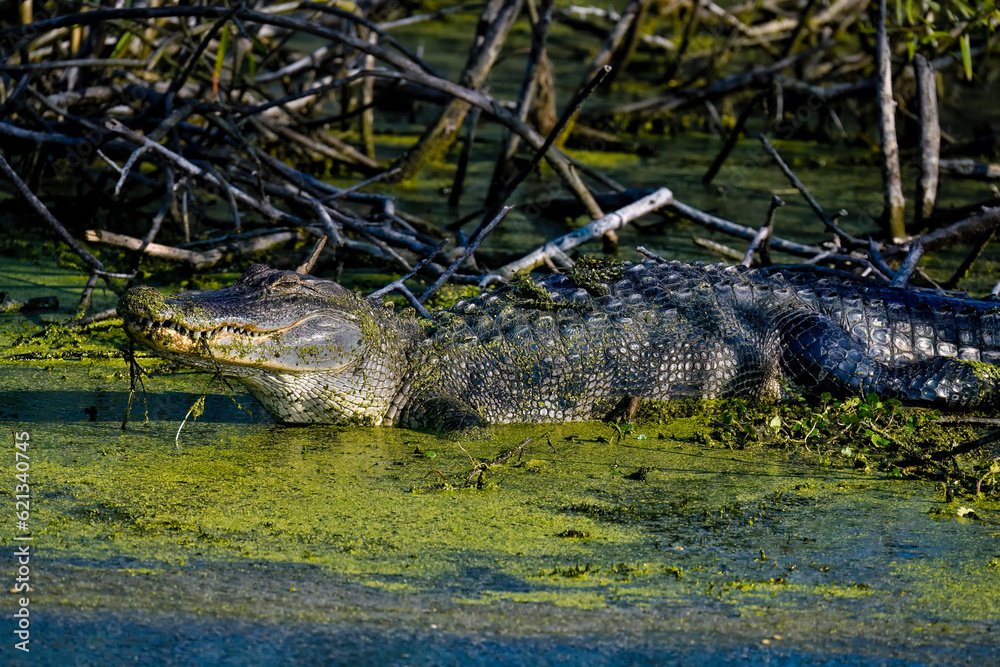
x=144, y=303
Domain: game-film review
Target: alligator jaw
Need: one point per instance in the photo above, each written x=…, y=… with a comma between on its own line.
x=170, y=336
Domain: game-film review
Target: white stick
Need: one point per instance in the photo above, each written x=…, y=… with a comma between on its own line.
x=596, y=229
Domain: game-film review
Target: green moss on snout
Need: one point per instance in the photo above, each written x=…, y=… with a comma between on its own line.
x=142, y=301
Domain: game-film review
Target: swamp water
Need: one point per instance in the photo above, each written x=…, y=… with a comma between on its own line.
x=249, y=542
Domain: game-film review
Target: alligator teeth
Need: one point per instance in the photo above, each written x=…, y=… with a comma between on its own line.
x=144, y=323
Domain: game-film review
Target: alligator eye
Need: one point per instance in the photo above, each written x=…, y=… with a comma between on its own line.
x=287, y=281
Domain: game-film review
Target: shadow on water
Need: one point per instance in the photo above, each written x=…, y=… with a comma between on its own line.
x=110, y=406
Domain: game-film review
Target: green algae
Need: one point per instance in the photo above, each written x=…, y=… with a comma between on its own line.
x=989, y=376
x=757, y=532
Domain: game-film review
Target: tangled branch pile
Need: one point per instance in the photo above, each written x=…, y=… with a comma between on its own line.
x=222, y=119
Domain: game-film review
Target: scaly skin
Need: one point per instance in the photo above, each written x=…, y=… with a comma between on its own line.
x=572, y=347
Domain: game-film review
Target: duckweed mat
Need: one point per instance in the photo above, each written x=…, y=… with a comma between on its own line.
x=242, y=538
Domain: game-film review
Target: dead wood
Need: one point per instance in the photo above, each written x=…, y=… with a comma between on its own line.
x=494, y=24
x=930, y=139
x=531, y=83
x=761, y=242
x=733, y=137
x=964, y=231
x=892, y=186
x=172, y=120
x=596, y=229
x=967, y=168
x=718, y=224
x=248, y=245
x=828, y=220
x=754, y=77
x=619, y=44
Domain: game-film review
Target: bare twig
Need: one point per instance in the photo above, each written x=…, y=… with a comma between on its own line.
x=692, y=19
x=568, y=114
x=720, y=249
x=648, y=254
x=458, y=184
x=731, y=140
x=908, y=266
x=198, y=260
x=399, y=286
x=469, y=249
x=967, y=263
x=798, y=185
x=967, y=168
x=739, y=231
x=308, y=265
x=762, y=241
x=96, y=267
x=388, y=174
x=752, y=77
x=625, y=23
x=596, y=229
x=497, y=18
x=182, y=77
x=974, y=227
x=430, y=16
x=108, y=314
x=529, y=87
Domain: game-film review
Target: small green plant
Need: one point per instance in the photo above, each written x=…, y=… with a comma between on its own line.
x=940, y=26
x=990, y=476
x=870, y=433
x=849, y=426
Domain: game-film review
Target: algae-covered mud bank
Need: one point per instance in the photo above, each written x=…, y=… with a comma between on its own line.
x=243, y=542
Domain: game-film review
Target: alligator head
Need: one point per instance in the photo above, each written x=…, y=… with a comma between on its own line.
x=308, y=349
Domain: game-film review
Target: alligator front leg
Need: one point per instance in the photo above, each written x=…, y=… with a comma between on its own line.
x=818, y=355
x=442, y=414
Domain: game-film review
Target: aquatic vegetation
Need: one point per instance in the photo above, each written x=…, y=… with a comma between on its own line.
x=866, y=433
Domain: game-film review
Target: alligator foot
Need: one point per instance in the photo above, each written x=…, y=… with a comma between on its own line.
x=624, y=412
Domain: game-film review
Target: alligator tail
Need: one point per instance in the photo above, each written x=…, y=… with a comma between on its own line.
x=817, y=354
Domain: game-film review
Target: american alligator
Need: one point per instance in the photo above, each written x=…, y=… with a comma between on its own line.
x=574, y=346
